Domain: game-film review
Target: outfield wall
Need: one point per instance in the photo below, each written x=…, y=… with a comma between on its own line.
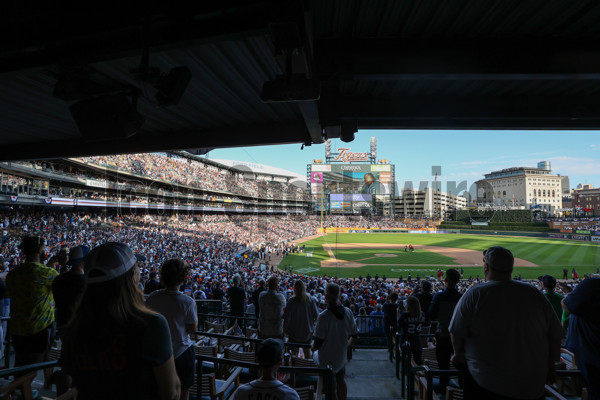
x=551, y=235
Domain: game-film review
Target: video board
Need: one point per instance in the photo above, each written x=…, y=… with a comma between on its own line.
x=368, y=179
x=350, y=201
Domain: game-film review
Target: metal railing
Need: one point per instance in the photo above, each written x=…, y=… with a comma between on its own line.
x=326, y=373
x=246, y=339
x=431, y=373
x=7, y=342
x=5, y=373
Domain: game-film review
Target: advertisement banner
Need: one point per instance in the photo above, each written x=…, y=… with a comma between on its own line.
x=595, y=238
x=351, y=197
x=381, y=168
x=583, y=232
x=98, y=184
x=579, y=237
x=316, y=177
x=558, y=236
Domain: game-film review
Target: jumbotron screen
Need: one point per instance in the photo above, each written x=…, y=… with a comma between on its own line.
x=366, y=179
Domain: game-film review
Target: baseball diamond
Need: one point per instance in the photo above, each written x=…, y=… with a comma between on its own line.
x=358, y=254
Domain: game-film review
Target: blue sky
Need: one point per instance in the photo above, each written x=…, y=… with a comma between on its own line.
x=463, y=155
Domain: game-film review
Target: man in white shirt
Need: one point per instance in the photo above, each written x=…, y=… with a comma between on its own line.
x=270, y=319
x=505, y=334
x=335, y=332
x=269, y=356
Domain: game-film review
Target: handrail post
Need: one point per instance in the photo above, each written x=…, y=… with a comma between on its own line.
x=429, y=378
x=406, y=355
x=7, y=347
x=397, y=354
x=411, y=381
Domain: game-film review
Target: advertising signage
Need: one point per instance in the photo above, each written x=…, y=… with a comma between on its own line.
x=345, y=155
x=352, y=178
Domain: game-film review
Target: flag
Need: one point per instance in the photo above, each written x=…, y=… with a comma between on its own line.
x=435, y=179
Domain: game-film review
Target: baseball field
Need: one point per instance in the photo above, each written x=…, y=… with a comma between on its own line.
x=358, y=254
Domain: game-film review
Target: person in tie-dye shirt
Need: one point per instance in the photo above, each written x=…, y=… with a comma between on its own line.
x=32, y=304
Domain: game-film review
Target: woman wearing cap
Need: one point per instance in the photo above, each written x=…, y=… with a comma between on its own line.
x=114, y=346
x=180, y=312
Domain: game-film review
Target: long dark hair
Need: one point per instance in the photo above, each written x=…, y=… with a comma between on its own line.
x=107, y=307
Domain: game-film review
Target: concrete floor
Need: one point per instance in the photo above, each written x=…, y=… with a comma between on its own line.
x=370, y=375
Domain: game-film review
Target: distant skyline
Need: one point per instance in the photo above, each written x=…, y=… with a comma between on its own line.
x=462, y=155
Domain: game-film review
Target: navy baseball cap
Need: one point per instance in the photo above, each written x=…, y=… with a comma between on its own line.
x=77, y=254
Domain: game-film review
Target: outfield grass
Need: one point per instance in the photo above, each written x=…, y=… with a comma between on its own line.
x=551, y=255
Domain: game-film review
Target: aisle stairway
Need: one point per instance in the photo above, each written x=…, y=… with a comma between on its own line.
x=370, y=375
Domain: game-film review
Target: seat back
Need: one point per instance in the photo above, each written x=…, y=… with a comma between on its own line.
x=453, y=393
x=303, y=362
x=306, y=392
x=245, y=356
x=201, y=350
x=228, y=342
x=209, y=387
x=217, y=328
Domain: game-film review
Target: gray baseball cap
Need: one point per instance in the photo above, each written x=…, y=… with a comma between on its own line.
x=109, y=261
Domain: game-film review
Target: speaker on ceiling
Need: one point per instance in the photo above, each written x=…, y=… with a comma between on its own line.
x=106, y=117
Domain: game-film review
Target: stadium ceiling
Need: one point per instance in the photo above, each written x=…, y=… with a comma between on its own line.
x=330, y=66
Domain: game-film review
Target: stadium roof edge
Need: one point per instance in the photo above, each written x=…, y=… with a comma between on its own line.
x=477, y=64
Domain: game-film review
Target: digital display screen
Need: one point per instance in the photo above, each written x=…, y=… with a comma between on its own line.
x=351, y=178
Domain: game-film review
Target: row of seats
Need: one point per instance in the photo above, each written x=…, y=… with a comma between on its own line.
x=566, y=386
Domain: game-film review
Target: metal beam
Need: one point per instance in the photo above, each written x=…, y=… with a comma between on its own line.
x=142, y=142
x=474, y=112
x=477, y=59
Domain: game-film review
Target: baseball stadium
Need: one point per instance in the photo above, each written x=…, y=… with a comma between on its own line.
x=194, y=203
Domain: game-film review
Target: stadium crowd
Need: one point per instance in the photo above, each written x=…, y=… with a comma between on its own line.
x=224, y=252
x=198, y=174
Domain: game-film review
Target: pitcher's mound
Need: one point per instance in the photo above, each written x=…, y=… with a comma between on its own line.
x=384, y=255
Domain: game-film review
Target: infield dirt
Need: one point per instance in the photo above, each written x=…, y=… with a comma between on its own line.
x=463, y=257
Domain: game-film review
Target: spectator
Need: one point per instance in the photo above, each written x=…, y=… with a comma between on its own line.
x=410, y=324
x=152, y=284
x=390, y=322
x=583, y=339
x=115, y=347
x=67, y=288
x=362, y=321
x=335, y=332
x=237, y=299
x=425, y=297
x=272, y=303
x=441, y=310
x=217, y=292
x=269, y=355
x=555, y=299
x=299, y=317
x=180, y=312
x=32, y=309
x=256, y=294
x=494, y=319
x=376, y=321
